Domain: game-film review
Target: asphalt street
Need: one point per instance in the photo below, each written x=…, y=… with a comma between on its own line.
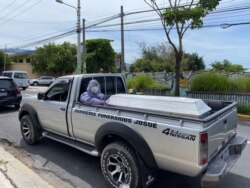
x=82, y=170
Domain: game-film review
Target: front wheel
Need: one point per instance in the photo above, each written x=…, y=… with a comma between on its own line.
x=35, y=84
x=28, y=130
x=120, y=166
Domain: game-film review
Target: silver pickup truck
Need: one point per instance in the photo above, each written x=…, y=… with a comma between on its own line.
x=136, y=135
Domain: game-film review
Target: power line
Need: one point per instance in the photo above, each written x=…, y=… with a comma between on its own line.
x=158, y=19
x=227, y=25
x=6, y=7
x=28, y=8
x=146, y=29
x=99, y=22
x=11, y=12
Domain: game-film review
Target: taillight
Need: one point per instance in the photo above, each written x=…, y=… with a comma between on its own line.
x=18, y=90
x=203, y=148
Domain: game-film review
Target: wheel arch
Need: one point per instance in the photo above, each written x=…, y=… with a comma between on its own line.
x=27, y=109
x=110, y=132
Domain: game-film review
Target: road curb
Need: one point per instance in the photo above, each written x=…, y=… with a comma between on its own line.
x=15, y=174
x=242, y=117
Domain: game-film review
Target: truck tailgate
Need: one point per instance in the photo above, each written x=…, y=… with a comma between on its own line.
x=221, y=130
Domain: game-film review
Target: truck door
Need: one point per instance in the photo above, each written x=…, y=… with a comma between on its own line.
x=52, y=109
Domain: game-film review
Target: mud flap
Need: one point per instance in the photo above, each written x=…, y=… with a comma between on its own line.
x=148, y=176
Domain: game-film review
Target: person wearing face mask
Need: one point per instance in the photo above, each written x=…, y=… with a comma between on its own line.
x=93, y=95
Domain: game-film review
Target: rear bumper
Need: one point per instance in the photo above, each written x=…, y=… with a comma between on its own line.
x=219, y=167
x=10, y=101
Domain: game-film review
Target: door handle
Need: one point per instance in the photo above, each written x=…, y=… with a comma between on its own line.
x=62, y=109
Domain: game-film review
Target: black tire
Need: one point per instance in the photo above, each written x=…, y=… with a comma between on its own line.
x=24, y=88
x=29, y=131
x=35, y=84
x=17, y=106
x=120, y=157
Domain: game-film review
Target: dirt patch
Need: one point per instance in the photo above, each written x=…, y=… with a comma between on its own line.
x=26, y=159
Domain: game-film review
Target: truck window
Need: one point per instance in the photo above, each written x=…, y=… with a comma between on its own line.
x=20, y=75
x=101, y=82
x=110, y=85
x=7, y=74
x=58, y=92
x=120, y=85
x=84, y=85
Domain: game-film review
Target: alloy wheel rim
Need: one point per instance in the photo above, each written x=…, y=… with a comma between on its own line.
x=118, y=169
x=26, y=130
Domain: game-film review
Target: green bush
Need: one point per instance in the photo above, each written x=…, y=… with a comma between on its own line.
x=209, y=82
x=215, y=82
x=241, y=84
x=243, y=109
x=143, y=81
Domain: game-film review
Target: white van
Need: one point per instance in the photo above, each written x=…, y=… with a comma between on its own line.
x=20, y=77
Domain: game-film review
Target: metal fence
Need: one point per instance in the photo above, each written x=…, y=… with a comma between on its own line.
x=243, y=99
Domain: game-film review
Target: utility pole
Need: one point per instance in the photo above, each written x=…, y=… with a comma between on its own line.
x=84, y=47
x=122, y=41
x=78, y=31
x=78, y=68
x=5, y=58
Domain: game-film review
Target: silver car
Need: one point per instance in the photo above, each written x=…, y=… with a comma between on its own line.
x=43, y=80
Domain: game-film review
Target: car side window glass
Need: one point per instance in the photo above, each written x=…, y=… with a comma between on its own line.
x=110, y=85
x=58, y=92
x=16, y=75
x=84, y=85
x=119, y=85
x=7, y=74
x=100, y=80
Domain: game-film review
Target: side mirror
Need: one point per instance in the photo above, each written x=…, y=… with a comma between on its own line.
x=40, y=96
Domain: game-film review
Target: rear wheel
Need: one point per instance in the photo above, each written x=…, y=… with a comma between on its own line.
x=28, y=130
x=120, y=165
x=24, y=88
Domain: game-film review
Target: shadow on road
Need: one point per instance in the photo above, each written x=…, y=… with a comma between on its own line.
x=7, y=109
x=83, y=167
x=78, y=167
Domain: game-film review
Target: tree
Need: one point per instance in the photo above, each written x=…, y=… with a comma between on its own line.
x=153, y=59
x=226, y=66
x=2, y=59
x=100, y=56
x=179, y=17
x=194, y=62
x=55, y=59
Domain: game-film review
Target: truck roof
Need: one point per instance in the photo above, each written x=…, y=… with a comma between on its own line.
x=91, y=75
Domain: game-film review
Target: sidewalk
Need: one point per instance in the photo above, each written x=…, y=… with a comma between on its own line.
x=14, y=174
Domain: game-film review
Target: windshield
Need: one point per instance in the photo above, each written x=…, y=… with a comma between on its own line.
x=19, y=75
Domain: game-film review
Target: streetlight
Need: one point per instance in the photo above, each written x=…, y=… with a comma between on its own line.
x=78, y=30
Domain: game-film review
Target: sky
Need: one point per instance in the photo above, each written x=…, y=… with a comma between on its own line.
x=24, y=21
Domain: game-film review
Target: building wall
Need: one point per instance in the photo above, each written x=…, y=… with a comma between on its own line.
x=23, y=67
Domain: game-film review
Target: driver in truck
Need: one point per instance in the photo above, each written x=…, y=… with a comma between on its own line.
x=93, y=95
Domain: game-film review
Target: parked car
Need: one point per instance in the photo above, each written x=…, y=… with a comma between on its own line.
x=20, y=77
x=134, y=135
x=9, y=92
x=44, y=80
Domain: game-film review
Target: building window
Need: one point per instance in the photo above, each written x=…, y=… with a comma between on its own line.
x=20, y=60
x=28, y=60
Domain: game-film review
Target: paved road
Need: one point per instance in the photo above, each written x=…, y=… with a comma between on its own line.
x=84, y=171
